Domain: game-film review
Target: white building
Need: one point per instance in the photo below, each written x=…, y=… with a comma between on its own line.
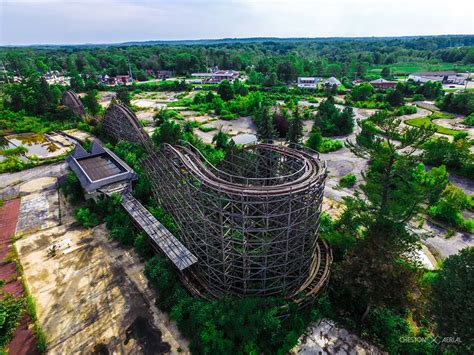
x=445, y=77
x=217, y=76
x=331, y=82
x=308, y=82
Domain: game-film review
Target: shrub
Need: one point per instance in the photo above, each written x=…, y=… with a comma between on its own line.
x=450, y=206
x=330, y=145
x=469, y=120
x=348, y=180
x=86, y=217
x=10, y=311
x=405, y=110
x=71, y=187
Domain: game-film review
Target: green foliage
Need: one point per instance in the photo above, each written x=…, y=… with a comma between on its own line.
x=455, y=155
x=332, y=121
x=86, y=217
x=31, y=94
x=123, y=95
x=462, y=103
x=315, y=139
x=169, y=132
x=295, y=131
x=91, y=103
x=11, y=309
x=427, y=122
x=387, y=329
x=405, y=110
x=165, y=115
x=142, y=246
x=216, y=327
x=395, y=98
x=450, y=206
x=226, y=90
x=348, y=180
x=362, y=92
x=451, y=301
x=71, y=187
x=13, y=151
x=265, y=128
x=469, y=120
x=221, y=140
x=330, y=145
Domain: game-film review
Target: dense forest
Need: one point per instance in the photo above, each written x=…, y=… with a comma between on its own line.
x=268, y=59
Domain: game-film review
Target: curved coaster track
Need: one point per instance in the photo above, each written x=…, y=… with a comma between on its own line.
x=252, y=221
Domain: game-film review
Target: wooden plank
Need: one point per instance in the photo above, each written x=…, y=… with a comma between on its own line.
x=158, y=233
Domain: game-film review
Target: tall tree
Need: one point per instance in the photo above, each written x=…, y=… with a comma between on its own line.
x=265, y=131
x=226, y=90
x=376, y=272
x=453, y=301
x=295, y=131
x=91, y=103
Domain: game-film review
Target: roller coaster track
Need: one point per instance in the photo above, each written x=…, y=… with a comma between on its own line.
x=312, y=172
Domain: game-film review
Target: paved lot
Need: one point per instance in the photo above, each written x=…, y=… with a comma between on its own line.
x=91, y=293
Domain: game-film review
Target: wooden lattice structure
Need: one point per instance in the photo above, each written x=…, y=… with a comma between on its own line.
x=252, y=222
x=122, y=124
x=72, y=101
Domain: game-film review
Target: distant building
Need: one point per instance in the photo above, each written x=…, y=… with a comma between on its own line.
x=56, y=77
x=383, y=84
x=308, y=82
x=444, y=77
x=331, y=82
x=163, y=74
x=124, y=79
x=216, y=76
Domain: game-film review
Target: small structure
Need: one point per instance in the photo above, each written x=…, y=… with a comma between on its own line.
x=331, y=82
x=163, y=74
x=71, y=100
x=310, y=82
x=216, y=76
x=99, y=168
x=102, y=172
x=445, y=77
x=383, y=84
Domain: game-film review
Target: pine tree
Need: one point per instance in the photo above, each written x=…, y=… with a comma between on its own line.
x=266, y=131
x=295, y=132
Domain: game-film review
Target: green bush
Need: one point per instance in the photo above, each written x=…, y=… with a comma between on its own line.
x=348, y=180
x=405, y=110
x=387, y=329
x=86, y=217
x=450, y=206
x=469, y=120
x=11, y=309
x=71, y=187
x=330, y=145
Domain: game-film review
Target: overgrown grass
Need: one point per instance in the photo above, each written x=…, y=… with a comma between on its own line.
x=427, y=122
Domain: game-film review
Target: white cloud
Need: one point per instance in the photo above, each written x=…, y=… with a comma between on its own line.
x=87, y=21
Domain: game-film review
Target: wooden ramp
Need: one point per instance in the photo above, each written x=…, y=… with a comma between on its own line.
x=161, y=238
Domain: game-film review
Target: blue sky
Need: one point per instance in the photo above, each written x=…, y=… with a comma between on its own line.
x=107, y=21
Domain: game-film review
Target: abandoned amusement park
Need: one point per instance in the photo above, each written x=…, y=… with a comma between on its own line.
x=237, y=177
